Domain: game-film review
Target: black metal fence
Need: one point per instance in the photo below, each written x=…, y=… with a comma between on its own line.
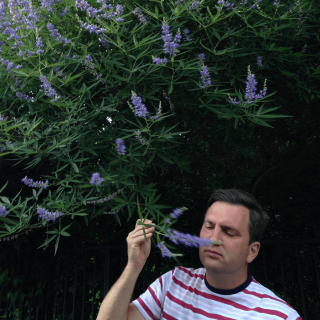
x=73, y=284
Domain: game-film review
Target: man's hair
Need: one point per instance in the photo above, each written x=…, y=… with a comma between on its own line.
x=258, y=218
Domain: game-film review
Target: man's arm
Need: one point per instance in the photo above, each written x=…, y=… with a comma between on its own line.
x=116, y=305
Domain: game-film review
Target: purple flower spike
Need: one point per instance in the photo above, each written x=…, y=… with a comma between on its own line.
x=47, y=215
x=121, y=148
x=176, y=213
x=140, y=109
x=96, y=179
x=205, y=77
x=164, y=251
x=251, y=94
x=259, y=61
x=195, y=6
x=3, y=211
x=187, y=239
x=49, y=91
x=35, y=184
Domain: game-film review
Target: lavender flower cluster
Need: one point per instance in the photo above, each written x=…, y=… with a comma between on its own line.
x=47, y=215
x=142, y=140
x=25, y=97
x=251, y=94
x=176, y=213
x=89, y=62
x=140, y=109
x=195, y=6
x=228, y=5
x=187, y=239
x=3, y=211
x=56, y=35
x=96, y=179
x=164, y=251
x=92, y=28
x=142, y=18
x=121, y=148
x=204, y=73
x=35, y=184
x=49, y=91
x=97, y=13
x=186, y=37
x=169, y=45
x=10, y=65
x=159, y=61
x=259, y=61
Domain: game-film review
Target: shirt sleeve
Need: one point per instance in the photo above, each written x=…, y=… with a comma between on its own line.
x=294, y=316
x=151, y=302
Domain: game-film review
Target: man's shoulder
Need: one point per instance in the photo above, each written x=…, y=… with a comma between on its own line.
x=189, y=272
x=267, y=297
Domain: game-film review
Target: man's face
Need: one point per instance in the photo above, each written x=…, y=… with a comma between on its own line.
x=228, y=223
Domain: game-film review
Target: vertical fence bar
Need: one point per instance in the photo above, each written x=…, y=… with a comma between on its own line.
x=33, y=274
x=300, y=283
x=84, y=282
x=93, y=281
x=106, y=271
x=265, y=267
x=65, y=287
x=316, y=267
x=192, y=258
x=282, y=274
x=56, y=295
x=19, y=261
x=75, y=285
x=48, y=284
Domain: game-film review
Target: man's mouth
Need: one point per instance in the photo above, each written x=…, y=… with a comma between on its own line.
x=213, y=252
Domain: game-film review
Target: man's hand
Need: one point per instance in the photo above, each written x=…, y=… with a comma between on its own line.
x=138, y=249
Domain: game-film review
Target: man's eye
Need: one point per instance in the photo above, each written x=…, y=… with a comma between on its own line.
x=208, y=227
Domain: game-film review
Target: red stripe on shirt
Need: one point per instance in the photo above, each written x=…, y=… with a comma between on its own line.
x=160, y=280
x=201, y=276
x=228, y=302
x=146, y=309
x=196, y=310
x=261, y=296
x=168, y=317
x=154, y=297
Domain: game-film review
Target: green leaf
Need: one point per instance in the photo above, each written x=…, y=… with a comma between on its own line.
x=48, y=241
x=5, y=200
x=7, y=227
x=170, y=88
x=75, y=167
x=165, y=158
x=56, y=245
x=3, y=187
x=65, y=234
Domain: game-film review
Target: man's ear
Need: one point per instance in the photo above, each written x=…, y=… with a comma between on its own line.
x=253, y=251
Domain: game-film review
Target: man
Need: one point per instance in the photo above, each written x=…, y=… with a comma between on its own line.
x=223, y=289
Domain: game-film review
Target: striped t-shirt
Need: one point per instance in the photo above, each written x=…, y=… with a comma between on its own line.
x=184, y=293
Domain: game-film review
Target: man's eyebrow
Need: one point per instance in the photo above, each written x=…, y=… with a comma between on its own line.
x=223, y=226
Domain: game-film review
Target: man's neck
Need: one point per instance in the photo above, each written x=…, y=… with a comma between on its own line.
x=226, y=281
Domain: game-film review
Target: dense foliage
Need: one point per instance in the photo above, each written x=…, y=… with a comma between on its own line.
x=121, y=91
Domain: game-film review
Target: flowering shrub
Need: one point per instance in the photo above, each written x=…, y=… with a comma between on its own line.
x=116, y=90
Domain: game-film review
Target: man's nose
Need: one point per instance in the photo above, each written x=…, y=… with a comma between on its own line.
x=216, y=234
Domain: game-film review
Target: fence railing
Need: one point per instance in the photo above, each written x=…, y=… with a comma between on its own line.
x=73, y=284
